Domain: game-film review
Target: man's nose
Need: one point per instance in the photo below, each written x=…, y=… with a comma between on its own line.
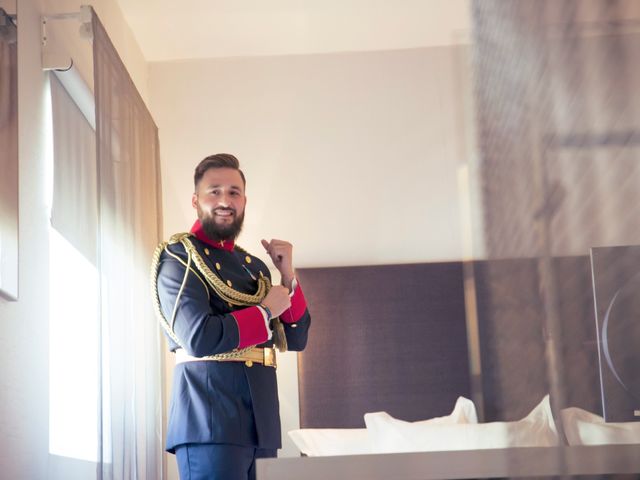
x=224, y=200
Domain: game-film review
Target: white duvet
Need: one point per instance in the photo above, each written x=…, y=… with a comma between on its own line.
x=461, y=431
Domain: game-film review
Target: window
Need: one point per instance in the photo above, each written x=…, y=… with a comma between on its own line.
x=74, y=322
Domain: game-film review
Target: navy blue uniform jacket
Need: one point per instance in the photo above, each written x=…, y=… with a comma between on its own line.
x=222, y=402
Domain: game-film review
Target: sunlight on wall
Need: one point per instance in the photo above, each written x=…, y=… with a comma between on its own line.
x=73, y=352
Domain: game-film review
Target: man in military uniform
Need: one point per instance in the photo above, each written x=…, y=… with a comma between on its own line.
x=223, y=318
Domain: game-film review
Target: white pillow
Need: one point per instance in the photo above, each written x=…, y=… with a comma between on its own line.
x=464, y=411
x=390, y=435
x=585, y=428
x=317, y=442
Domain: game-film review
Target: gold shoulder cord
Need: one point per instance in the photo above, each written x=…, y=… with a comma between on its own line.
x=225, y=292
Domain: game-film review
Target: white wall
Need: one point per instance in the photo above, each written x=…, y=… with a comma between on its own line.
x=24, y=449
x=352, y=157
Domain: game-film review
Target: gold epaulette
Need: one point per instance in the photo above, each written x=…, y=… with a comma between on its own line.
x=177, y=237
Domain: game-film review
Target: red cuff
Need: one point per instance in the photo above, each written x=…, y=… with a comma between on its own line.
x=251, y=327
x=297, y=308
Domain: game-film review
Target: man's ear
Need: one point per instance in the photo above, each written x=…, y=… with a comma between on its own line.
x=194, y=200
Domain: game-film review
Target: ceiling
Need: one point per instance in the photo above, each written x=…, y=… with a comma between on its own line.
x=173, y=30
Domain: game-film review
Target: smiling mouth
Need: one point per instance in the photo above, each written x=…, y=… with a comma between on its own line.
x=224, y=213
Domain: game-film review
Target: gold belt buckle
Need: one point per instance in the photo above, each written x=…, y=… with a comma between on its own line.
x=269, y=357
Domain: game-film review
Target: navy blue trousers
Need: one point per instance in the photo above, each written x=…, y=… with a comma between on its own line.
x=212, y=461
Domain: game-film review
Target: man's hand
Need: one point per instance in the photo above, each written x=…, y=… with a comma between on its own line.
x=277, y=300
x=281, y=254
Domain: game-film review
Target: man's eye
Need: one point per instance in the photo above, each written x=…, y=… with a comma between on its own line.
x=214, y=192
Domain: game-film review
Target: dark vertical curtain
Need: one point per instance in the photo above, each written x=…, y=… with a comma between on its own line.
x=129, y=229
x=8, y=161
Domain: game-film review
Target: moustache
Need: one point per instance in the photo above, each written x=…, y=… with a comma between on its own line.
x=225, y=209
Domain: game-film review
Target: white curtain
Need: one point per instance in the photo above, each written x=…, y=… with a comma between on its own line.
x=74, y=211
x=73, y=292
x=129, y=229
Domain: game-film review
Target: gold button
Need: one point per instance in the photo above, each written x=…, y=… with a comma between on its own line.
x=249, y=363
x=206, y=251
x=294, y=325
x=229, y=283
x=230, y=304
x=247, y=259
x=218, y=266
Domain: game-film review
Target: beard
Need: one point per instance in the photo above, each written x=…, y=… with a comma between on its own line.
x=216, y=232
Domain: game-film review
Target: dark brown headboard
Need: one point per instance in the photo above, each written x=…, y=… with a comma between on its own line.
x=383, y=338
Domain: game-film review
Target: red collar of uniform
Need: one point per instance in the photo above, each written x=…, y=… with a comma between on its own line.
x=200, y=235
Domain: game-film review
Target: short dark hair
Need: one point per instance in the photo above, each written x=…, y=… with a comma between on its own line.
x=219, y=160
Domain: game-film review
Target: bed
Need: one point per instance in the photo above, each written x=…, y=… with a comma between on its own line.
x=395, y=339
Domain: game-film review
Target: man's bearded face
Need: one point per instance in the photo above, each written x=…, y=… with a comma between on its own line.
x=220, y=201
